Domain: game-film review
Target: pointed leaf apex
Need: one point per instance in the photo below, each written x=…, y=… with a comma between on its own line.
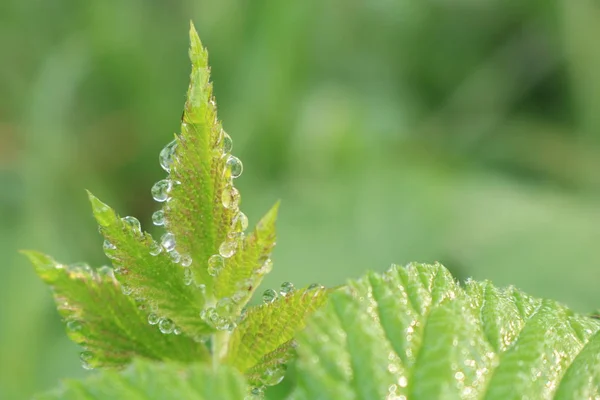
x=105, y=215
x=198, y=54
x=270, y=217
x=39, y=260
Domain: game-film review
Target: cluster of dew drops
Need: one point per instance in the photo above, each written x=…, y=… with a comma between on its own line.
x=221, y=316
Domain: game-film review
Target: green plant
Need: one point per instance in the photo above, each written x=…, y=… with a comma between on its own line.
x=171, y=319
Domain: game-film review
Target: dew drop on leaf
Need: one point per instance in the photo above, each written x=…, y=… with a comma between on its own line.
x=239, y=223
x=158, y=218
x=167, y=155
x=273, y=376
x=80, y=268
x=238, y=296
x=186, y=260
x=133, y=223
x=175, y=256
x=188, y=277
x=155, y=249
x=74, y=325
x=225, y=307
x=105, y=271
x=266, y=267
x=215, y=264
x=269, y=296
x=86, y=357
x=314, y=286
x=167, y=241
x=166, y=326
x=286, y=288
x=227, y=143
x=153, y=319
x=176, y=331
x=256, y=393
x=160, y=190
x=230, y=197
x=235, y=166
x=109, y=249
x=228, y=248
x=126, y=289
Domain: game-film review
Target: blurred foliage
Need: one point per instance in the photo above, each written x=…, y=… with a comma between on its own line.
x=466, y=132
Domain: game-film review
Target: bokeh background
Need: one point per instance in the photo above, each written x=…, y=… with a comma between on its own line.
x=462, y=131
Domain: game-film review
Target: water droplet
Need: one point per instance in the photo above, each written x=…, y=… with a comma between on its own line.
x=166, y=326
x=239, y=222
x=230, y=197
x=256, y=393
x=74, y=325
x=215, y=264
x=219, y=136
x=175, y=256
x=286, y=288
x=238, y=296
x=188, y=277
x=168, y=241
x=86, y=358
x=314, y=286
x=133, y=223
x=225, y=307
x=158, y=218
x=269, y=296
x=105, y=272
x=80, y=268
x=273, y=376
x=155, y=249
x=176, y=331
x=167, y=156
x=224, y=324
x=109, y=249
x=153, y=319
x=186, y=260
x=227, y=143
x=235, y=166
x=228, y=248
x=160, y=190
x=126, y=289
x=121, y=270
x=209, y=315
x=266, y=267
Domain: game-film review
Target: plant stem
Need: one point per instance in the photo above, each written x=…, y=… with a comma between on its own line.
x=220, y=341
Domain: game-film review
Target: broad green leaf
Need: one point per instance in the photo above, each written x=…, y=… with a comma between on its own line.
x=263, y=341
x=154, y=279
x=108, y=324
x=414, y=333
x=156, y=381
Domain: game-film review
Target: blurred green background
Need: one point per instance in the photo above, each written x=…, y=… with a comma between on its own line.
x=463, y=131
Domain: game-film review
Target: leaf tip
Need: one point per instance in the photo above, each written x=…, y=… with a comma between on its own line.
x=198, y=54
x=41, y=262
x=102, y=212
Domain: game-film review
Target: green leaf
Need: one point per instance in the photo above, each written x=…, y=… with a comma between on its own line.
x=263, y=341
x=159, y=381
x=202, y=204
x=415, y=333
x=244, y=272
x=153, y=279
x=108, y=324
